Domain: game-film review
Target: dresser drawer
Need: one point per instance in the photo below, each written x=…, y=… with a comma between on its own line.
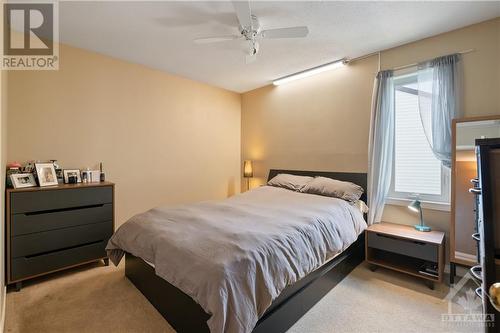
x=405, y=247
x=51, y=200
x=28, y=223
x=45, y=242
x=29, y=266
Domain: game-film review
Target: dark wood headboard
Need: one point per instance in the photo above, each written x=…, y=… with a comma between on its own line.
x=360, y=179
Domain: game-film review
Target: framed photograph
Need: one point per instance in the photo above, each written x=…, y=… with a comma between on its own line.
x=21, y=180
x=46, y=174
x=60, y=176
x=70, y=175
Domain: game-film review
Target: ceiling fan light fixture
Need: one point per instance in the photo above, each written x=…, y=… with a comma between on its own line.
x=251, y=31
x=310, y=72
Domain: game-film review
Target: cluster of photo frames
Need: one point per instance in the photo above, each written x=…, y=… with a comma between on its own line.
x=46, y=175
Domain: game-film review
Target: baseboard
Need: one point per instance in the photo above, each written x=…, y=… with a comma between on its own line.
x=2, y=314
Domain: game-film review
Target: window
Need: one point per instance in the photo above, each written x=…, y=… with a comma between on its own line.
x=416, y=171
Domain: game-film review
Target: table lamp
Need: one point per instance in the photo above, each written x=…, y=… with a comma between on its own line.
x=416, y=206
x=248, y=171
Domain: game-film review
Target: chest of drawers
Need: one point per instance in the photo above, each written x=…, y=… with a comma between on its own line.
x=53, y=228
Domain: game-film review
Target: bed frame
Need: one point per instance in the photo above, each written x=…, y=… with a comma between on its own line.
x=185, y=315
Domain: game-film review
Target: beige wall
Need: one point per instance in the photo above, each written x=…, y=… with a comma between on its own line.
x=162, y=139
x=318, y=123
x=322, y=122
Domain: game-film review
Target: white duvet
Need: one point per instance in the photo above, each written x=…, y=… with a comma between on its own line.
x=235, y=256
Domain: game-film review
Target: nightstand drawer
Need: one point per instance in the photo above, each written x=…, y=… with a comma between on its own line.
x=411, y=248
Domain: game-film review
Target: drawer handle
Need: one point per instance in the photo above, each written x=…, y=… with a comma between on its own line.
x=476, y=237
x=479, y=292
x=476, y=272
x=476, y=191
x=399, y=239
x=62, y=210
x=62, y=249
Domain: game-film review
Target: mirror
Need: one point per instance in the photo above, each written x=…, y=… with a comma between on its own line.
x=463, y=248
x=467, y=132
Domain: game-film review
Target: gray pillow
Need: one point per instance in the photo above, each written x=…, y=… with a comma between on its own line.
x=333, y=188
x=291, y=182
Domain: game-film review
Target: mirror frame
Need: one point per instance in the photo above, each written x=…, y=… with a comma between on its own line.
x=456, y=121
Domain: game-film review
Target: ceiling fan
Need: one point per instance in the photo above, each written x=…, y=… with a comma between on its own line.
x=252, y=32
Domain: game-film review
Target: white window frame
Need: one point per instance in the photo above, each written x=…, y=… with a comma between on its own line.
x=429, y=201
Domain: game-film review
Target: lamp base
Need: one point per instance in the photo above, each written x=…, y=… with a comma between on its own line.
x=424, y=228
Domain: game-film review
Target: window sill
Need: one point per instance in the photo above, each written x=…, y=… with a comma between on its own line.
x=441, y=206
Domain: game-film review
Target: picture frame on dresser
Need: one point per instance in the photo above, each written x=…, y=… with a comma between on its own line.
x=49, y=229
x=67, y=173
x=46, y=174
x=22, y=180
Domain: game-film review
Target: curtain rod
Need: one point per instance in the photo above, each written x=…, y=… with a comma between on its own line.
x=416, y=63
x=404, y=66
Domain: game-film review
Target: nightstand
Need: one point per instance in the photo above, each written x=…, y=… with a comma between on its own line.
x=404, y=249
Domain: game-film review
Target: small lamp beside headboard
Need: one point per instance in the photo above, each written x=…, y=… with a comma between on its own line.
x=248, y=171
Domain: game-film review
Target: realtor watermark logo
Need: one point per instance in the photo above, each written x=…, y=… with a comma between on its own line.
x=465, y=305
x=30, y=36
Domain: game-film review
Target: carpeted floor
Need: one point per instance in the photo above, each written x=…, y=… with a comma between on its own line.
x=95, y=298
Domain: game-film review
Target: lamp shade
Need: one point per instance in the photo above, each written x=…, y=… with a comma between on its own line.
x=247, y=169
x=415, y=206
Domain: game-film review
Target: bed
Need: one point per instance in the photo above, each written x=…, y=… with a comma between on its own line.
x=278, y=304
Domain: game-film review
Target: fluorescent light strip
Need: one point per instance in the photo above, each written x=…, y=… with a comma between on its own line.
x=310, y=72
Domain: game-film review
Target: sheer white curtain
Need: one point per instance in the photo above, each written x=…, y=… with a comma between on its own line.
x=439, y=95
x=381, y=145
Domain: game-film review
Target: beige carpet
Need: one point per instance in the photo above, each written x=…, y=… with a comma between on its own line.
x=95, y=298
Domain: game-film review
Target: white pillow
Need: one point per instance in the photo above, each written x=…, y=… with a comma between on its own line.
x=333, y=188
x=291, y=182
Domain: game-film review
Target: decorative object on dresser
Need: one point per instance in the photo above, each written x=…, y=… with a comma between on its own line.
x=488, y=193
x=91, y=176
x=29, y=167
x=464, y=206
x=53, y=228
x=59, y=171
x=21, y=180
x=404, y=249
x=102, y=176
x=12, y=168
x=46, y=174
x=72, y=176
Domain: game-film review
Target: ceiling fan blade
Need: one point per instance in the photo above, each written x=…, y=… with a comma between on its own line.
x=243, y=12
x=215, y=39
x=293, y=32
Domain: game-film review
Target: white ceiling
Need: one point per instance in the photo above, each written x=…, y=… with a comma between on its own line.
x=160, y=34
